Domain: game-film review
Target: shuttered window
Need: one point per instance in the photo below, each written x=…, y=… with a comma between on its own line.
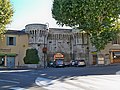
x=11, y=41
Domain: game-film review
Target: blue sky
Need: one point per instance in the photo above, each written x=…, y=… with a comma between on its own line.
x=32, y=11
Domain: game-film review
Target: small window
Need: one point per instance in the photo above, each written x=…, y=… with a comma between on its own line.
x=38, y=45
x=50, y=41
x=68, y=42
x=116, y=55
x=11, y=41
x=59, y=42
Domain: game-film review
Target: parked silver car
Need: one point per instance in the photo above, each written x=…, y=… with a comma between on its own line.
x=80, y=63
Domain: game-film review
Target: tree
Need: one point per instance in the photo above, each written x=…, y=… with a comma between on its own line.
x=6, y=13
x=98, y=18
x=31, y=56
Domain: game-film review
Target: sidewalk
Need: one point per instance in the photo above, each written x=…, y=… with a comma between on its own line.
x=104, y=65
x=16, y=68
x=20, y=68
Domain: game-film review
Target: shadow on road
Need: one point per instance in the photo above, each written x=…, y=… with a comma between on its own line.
x=26, y=78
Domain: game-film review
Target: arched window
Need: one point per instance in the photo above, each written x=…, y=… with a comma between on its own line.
x=33, y=32
x=30, y=32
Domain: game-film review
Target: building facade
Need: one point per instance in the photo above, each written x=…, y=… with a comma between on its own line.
x=71, y=43
x=13, y=45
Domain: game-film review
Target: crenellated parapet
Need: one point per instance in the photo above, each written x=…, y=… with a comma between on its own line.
x=37, y=33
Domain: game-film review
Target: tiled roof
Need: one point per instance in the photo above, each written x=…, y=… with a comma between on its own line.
x=16, y=32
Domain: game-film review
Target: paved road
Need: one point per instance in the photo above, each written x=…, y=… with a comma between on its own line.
x=18, y=80
x=87, y=78
x=30, y=79
x=56, y=73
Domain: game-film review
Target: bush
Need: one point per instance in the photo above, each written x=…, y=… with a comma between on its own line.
x=31, y=57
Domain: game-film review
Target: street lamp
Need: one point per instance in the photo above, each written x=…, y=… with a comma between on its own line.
x=44, y=51
x=45, y=45
x=47, y=24
x=71, y=47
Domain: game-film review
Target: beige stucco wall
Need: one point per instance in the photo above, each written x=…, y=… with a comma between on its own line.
x=110, y=46
x=19, y=49
x=106, y=51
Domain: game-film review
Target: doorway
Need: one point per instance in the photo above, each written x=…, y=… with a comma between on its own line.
x=2, y=61
x=94, y=59
x=10, y=62
x=116, y=57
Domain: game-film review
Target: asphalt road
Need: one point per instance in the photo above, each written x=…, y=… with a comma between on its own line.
x=18, y=80
x=55, y=73
x=25, y=79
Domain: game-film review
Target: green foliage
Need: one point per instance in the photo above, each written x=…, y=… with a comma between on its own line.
x=31, y=56
x=97, y=17
x=6, y=13
x=100, y=40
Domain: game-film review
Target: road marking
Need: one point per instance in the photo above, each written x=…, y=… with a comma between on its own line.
x=18, y=88
x=50, y=84
x=1, y=80
x=15, y=71
x=118, y=73
x=43, y=81
x=93, y=82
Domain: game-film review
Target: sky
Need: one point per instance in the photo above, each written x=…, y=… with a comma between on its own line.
x=32, y=11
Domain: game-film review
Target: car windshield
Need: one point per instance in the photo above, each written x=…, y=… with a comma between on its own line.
x=59, y=61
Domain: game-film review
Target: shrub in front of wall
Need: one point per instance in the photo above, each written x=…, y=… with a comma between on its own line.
x=31, y=57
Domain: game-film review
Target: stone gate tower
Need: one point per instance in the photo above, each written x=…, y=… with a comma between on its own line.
x=37, y=38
